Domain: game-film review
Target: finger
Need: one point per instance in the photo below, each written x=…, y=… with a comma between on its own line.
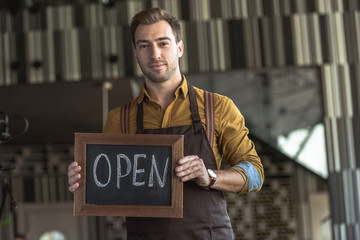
x=190, y=162
x=73, y=179
x=187, y=159
x=193, y=175
x=188, y=169
x=72, y=165
x=73, y=169
x=73, y=187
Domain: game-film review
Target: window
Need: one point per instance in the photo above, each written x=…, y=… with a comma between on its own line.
x=52, y=235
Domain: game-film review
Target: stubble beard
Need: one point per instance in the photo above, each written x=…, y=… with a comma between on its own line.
x=156, y=76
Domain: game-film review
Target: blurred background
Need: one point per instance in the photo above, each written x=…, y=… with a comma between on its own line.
x=291, y=66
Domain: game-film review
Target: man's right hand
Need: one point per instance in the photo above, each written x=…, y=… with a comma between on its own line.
x=73, y=176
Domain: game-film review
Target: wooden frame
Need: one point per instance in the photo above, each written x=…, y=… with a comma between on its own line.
x=84, y=209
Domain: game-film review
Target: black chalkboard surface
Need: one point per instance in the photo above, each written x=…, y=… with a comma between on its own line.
x=128, y=175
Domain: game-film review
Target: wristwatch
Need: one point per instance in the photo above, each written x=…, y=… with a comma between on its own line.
x=212, y=176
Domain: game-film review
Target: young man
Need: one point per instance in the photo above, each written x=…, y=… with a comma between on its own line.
x=167, y=104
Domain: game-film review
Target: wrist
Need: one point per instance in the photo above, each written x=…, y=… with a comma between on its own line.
x=213, y=178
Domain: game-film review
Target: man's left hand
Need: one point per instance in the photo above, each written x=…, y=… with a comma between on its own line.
x=193, y=167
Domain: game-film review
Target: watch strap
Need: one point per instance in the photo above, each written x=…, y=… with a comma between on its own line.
x=212, y=181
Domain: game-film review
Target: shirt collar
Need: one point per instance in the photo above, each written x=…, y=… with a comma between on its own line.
x=182, y=90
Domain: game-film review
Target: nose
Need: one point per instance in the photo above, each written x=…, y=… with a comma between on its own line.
x=155, y=52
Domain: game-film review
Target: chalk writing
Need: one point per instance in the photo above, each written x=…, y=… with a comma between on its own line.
x=128, y=168
x=135, y=167
x=128, y=175
x=98, y=183
x=154, y=166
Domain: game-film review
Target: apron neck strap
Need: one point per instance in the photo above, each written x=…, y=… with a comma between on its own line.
x=194, y=108
x=139, y=118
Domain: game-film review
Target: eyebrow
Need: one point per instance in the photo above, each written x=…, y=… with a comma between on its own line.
x=156, y=40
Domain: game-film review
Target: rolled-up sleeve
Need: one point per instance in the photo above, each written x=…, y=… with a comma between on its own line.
x=237, y=149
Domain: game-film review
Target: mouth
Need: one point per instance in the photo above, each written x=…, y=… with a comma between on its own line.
x=157, y=66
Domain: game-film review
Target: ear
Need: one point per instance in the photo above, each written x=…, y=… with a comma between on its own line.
x=180, y=47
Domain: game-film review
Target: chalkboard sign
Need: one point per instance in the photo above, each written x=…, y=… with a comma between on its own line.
x=128, y=175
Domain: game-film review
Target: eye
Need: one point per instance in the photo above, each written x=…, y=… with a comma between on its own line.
x=163, y=44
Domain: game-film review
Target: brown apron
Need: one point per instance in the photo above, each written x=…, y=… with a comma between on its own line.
x=205, y=213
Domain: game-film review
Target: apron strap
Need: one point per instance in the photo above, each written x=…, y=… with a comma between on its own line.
x=139, y=118
x=124, y=118
x=194, y=108
x=209, y=114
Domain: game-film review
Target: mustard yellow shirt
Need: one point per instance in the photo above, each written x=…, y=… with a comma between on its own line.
x=231, y=136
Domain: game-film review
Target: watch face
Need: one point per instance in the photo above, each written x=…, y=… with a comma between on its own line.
x=211, y=173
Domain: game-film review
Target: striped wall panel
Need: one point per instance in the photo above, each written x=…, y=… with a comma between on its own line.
x=91, y=41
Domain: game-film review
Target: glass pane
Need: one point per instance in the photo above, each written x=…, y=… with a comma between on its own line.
x=52, y=235
x=282, y=107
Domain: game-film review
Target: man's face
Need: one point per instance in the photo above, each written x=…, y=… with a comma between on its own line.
x=157, y=51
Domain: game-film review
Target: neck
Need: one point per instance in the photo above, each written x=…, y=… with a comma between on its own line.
x=163, y=93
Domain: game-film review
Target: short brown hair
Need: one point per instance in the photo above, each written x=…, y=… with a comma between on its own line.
x=154, y=15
